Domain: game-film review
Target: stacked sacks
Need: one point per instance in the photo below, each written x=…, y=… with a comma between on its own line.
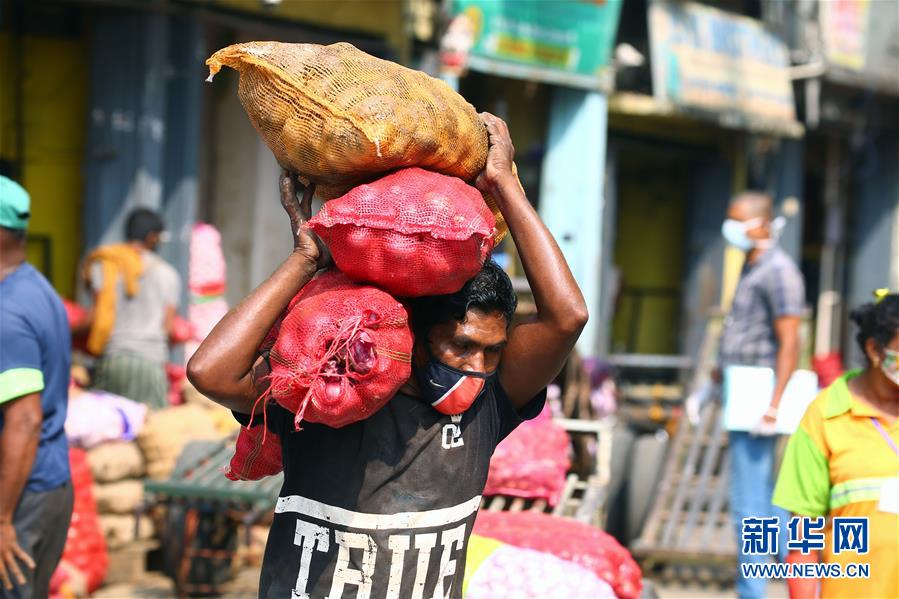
x=532, y=461
x=345, y=120
x=85, y=559
x=570, y=540
x=167, y=431
x=206, y=281
x=495, y=569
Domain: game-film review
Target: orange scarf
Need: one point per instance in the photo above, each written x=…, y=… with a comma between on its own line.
x=116, y=260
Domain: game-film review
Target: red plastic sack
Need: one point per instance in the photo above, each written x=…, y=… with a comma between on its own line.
x=341, y=352
x=828, y=367
x=182, y=331
x=412, y=233
x=571, y=540
x=176, y=375
x=531, y=462
x=85, y=549
x=257, y=455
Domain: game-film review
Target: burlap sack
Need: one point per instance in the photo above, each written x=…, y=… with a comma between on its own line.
x=167, y=431
x=122, y=497
x=337, y=115
x=119, y=529
x=222, y=418
x=115, y=461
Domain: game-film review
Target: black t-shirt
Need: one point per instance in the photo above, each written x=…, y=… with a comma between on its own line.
x=383, y=507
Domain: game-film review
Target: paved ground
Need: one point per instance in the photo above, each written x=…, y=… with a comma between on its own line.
x=156, y=586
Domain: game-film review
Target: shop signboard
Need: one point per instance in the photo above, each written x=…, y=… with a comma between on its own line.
x=709, y=60
x=861, y=41
x=556, y=41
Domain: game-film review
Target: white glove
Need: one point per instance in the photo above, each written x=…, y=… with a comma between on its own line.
x=766, y=428
x=696, y=400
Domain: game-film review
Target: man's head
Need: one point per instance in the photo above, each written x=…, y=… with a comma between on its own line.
x=748, y=223
x=467, y=329
x=15, y=210
x=145, y=227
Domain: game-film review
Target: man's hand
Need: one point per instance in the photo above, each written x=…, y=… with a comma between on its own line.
x=305, y=242
x=10, y=556
x=498, y=168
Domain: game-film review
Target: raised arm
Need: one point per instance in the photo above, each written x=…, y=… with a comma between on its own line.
x=537, y=348
x=227, y=367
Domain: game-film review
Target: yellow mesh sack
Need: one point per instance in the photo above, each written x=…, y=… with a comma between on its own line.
x=338, y=116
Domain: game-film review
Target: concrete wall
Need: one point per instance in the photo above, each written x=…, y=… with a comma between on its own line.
x=243, y=202
x=54, y=97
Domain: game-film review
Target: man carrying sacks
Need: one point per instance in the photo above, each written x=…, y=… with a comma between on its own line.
x=383, y=507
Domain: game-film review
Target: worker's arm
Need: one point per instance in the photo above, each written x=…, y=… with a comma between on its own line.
x=226, y=367
x=539, y=347
x=803, y=588
x=786, y=329
x=169, y=323
x=22, y=417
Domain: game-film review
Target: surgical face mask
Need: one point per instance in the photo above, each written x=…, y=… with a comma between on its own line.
x=735, y=232
x=450, y=390
x=890, y=365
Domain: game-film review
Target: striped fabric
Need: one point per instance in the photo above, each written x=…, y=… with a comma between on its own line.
x=133, y=377
x=856, y=490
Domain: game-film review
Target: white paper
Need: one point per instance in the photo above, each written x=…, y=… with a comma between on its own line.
x=889, y=496
x=747, y=395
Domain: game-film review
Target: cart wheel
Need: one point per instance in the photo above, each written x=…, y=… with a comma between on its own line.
x=620, y=464
x=646, y=470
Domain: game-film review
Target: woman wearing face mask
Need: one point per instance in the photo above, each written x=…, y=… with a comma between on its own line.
x=843, y=461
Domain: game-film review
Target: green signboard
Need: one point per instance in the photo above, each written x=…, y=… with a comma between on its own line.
x=559, y=41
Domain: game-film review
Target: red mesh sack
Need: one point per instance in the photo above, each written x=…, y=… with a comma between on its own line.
x=342, y=351
x=256, y=455
x=85, y=549
x=570, y=540
x=531, y=462
x=412, y=233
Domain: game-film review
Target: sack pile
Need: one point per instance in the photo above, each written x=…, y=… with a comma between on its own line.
x=532, y=461
x=85, y=559
x=394, y=152
x=496, y=569
x=167, y=431
x=570, y=540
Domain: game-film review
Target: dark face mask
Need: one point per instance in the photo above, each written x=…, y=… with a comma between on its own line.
x=450, y=390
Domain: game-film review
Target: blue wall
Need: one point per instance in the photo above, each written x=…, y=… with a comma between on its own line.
x=571, y=192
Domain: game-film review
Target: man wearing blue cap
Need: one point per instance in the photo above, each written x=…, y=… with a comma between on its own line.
x=35, y=358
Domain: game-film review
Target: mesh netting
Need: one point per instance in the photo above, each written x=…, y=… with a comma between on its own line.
x=412, y=233
x=342, y=351
x=338, y=116
x=256, y=455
